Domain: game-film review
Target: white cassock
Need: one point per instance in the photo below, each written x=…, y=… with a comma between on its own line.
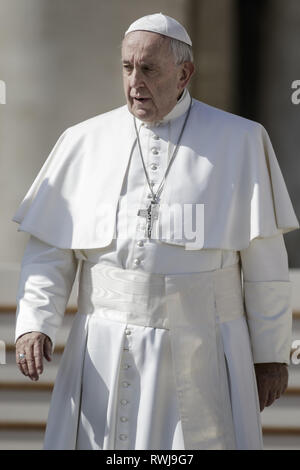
x=161, y=351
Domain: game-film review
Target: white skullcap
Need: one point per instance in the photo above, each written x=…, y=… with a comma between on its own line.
x=161, y=24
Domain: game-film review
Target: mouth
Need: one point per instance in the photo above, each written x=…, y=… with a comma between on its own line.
x=141, y=100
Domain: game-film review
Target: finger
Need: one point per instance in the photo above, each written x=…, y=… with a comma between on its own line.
x=262, y=394
x=271, y=398
x=24, y=368
x=38, y=355
x=21, y=362
x=48, y=349
x=262, y=404
x=22, y=365
x=31, y=363
x=284, y=384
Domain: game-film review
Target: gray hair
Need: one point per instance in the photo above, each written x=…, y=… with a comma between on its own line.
x=181, y=51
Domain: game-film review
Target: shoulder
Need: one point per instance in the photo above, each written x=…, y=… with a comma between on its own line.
x=226, y=121
x=105, y=121
x=91, y=133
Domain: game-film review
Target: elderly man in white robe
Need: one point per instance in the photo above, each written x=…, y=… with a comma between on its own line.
x=177, y=343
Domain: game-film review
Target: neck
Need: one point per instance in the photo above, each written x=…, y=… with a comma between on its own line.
x=180, y=108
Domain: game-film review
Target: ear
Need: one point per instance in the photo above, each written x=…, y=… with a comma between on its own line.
x=187, y=69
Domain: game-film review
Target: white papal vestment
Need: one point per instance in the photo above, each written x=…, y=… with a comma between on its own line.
x=161, y=351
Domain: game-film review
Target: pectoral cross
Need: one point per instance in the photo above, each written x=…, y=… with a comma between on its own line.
x=151, y=214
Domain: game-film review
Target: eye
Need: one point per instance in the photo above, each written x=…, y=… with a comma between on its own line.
x=146, y=68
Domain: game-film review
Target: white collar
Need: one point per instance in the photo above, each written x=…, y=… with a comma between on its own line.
x=179, y=109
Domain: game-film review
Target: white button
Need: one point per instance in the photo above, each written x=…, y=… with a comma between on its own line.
x=128, y=332
x=123, y=437
x=154, y=151
x=149, y=195
x=153, y=166
x=140, y=243
x=124, y=402
x=137, y=261
x=126, y=366
x=152, y=182
x=125, y=384
x=123, y=419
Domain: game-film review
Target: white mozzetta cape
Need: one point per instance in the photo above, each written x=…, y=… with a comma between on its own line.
x=225, y=162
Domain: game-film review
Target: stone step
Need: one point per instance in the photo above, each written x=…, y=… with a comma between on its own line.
x=21, y=439
x=9, y=372
x=24, y=406
x=18, y=400
x=284, y=412
x=281, y=441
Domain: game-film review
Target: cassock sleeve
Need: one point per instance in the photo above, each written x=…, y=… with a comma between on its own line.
x=45, y=283
x=267, y=297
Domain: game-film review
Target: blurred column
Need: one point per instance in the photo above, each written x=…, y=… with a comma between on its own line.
x=213, y=29
x=280, y=66
x=22, y=68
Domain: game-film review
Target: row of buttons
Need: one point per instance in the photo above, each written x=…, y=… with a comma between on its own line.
x=154, y=150
x=137, y=261
x=125, y=384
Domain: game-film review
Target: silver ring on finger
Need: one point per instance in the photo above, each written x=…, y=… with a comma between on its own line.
x=22, y=356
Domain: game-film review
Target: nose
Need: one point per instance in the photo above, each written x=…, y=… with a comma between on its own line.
x=136, y=79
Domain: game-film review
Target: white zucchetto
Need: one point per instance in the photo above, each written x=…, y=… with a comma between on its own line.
x=161, y=24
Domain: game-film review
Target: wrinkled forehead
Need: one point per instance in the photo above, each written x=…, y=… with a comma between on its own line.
x=145, y=44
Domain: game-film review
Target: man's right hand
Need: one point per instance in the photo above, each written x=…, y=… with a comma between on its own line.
x=35, y=345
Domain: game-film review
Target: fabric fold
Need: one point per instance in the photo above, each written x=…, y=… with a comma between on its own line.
x=269, y=317
x=66, y=396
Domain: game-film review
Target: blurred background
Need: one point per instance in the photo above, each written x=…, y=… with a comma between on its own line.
x=60, y=61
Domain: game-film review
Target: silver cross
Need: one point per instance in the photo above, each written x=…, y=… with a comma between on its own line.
x=151, y=214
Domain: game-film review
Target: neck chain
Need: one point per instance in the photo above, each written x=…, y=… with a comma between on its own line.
x=151, y=213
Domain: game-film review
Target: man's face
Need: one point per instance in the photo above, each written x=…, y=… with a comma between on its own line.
x=152, y=81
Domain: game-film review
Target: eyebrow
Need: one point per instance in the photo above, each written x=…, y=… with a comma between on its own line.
x=149, y=64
